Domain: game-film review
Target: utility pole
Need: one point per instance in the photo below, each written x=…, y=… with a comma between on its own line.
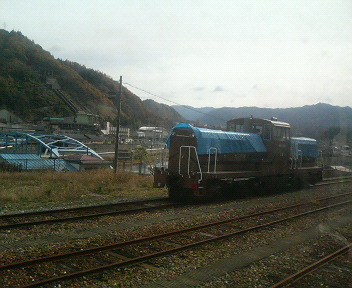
x=118, y=98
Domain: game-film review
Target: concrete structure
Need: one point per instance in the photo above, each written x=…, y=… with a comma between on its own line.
x=108, y=129
x=151, y=133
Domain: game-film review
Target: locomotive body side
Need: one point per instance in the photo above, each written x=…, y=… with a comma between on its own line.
x=205, y=163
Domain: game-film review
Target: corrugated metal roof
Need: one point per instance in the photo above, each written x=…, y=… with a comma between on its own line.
x=29, y=161
x=20, y=156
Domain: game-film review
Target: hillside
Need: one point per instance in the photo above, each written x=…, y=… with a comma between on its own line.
x=192, y=113
x=24, y=71
x=25, y=68
x=164, y=111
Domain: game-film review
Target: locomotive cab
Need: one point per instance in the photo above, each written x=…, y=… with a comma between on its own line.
x=269, y=130
x=276, y=136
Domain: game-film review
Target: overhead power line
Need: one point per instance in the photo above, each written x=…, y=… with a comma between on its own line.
x=173, y=102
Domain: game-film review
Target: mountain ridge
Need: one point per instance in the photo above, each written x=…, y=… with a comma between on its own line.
x=308, y=119
x=25, y=67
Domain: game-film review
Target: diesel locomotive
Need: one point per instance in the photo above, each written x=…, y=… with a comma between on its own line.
x=205, y=164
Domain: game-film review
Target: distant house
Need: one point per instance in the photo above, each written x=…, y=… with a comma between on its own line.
x=87, y=123
x=8, y=117
x=86, y=162
x=111, y=130
x=151, y=132
x=83, y=118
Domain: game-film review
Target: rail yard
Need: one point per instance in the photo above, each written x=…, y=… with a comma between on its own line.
x=246, y=242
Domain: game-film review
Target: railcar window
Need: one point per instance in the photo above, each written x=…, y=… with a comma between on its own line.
x=257, y=129
x=239, y=128
x=276, y=133
x=287, y=133
x=281, y=132
x=235, y=127
x=267, y=132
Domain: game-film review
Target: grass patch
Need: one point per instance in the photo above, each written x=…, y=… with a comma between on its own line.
x=22, y=189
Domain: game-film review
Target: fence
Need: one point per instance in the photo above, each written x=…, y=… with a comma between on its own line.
x=34, y=164
x=145, y=163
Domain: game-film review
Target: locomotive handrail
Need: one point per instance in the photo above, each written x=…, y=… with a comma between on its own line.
x=296, y=158
x=300, y=153
x=321, y=158
x=294, y=148
x=209, y=158
x=189, y=161
x=296, y=155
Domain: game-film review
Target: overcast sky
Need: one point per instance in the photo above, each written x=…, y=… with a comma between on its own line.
x=220, y=53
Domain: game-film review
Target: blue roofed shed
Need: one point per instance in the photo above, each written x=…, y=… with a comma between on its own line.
x=223, y=141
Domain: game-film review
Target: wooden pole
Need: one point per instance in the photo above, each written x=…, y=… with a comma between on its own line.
x=118, y=98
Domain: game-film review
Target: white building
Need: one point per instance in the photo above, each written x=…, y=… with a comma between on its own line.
x=151, y=132
x=111, y=130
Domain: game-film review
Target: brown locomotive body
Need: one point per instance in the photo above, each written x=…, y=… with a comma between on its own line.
x=205, y=163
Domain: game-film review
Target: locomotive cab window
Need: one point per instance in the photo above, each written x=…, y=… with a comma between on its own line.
x=239, y=128
x=258, y=129
x=281, y=132
x=267, y=132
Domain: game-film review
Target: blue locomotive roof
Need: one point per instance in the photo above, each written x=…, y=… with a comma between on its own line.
x=308, y=146
x=223, y=141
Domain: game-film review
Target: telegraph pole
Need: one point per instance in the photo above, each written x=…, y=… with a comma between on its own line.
x=118, y=98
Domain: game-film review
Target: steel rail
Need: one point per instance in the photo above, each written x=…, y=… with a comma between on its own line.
x=144, y=258
x=92, y=215
x=156, y=236
x=79, y=208
x=334, y=180
x=302, y=273
x=82, y=208
x=337, y=178
x=173, y=250
x=326, y=182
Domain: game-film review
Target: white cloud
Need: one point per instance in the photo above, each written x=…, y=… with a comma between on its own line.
x=265, y=52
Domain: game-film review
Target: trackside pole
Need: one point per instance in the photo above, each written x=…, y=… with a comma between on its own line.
x=116, y=159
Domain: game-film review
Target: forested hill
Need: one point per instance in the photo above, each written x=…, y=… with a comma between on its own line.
x=24, y=71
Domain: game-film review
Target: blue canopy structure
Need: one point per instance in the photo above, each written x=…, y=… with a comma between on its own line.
x=223, y=141
x=37, y=151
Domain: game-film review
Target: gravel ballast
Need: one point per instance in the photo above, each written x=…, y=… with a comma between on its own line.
x=260, y=255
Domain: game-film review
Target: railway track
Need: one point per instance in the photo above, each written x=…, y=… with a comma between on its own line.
x=93, y=260
x=15, y=220
x=334, y=180
x=313, y=267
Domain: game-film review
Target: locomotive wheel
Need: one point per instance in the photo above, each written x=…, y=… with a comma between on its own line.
x=213, y=191
x=176, y=193
x=314, y=178
x=256, y=186
x=297, y=182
